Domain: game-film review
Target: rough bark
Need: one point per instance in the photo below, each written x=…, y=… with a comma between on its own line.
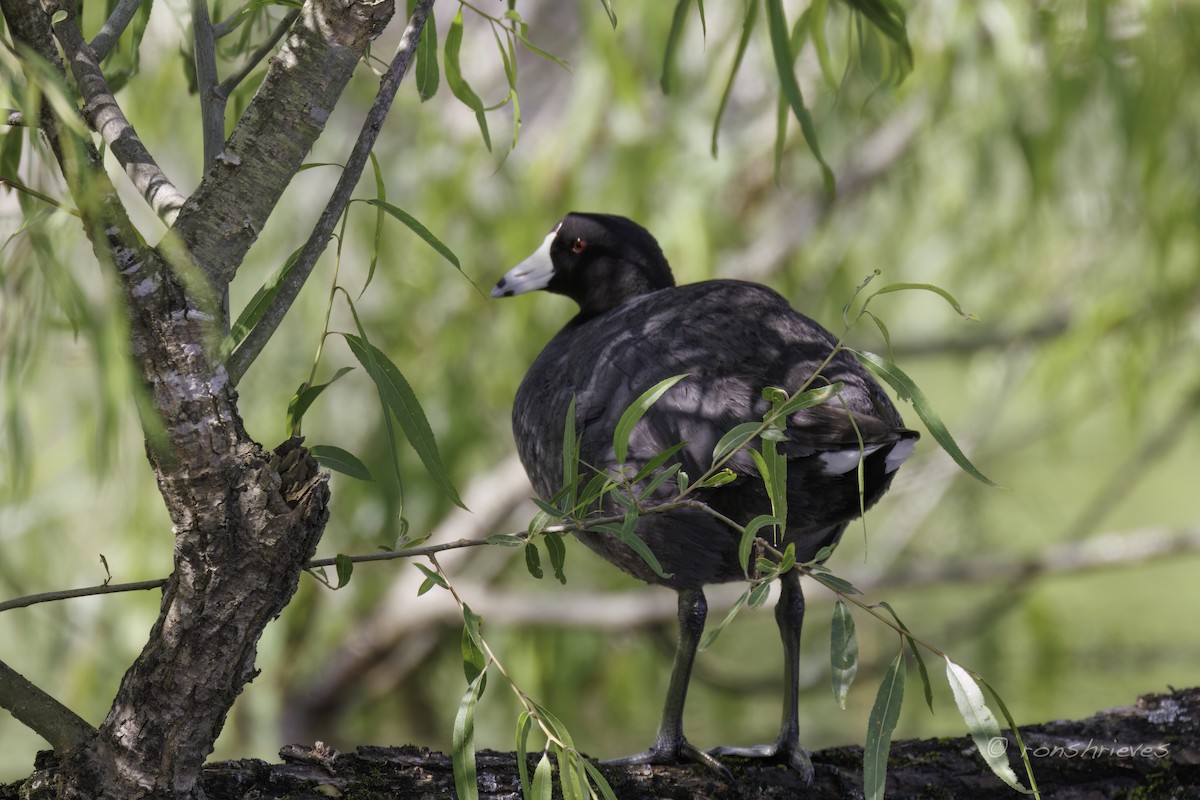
x=1147, y=751
x=245, y=521
x=224, y=216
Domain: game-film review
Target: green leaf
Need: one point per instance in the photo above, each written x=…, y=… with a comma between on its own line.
x=1008, y=717
x=907, y=389
x=257, y=307
x=420, y=230
x=472, y=646
x=400, y=399
x=677, y=20
x=344, y=567
x=657, y=462
x=547, y=508
x=303, y=399
x=635, y=412
x=463, y=742
x=524, y=725
x=927, y=287
x=781, y=49
x=773, y=468
x=458, y=84
x=880, y=725
x=427, y=66
x=749, y=534
x=570, y=454
x=821, y=43
x=627, y=533
x=558, y=555
x=837, y=584
x=758, y=594
x=533, y=561
x=537, y=51
x=843, y=652
x=748, y=21
x=657, y=481
x=612, y=15
x=711, y=635
x=431, y=579
x=718, y=479
x=887, y=16
x=543, y=778
x=981, y=724
x=337, y=459
x=601, y=782
x=735, y=439
x=58, y=17
x=916, y=651
x=808, y=399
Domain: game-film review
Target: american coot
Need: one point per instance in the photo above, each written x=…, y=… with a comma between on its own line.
x=732, y=339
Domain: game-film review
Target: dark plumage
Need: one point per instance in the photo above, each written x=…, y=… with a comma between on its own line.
x=733, y=339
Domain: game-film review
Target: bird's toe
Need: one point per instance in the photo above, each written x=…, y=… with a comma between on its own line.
x=789, y=754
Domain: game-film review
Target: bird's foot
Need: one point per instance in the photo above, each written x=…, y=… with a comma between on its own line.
x=675, y=754
x=787, y=753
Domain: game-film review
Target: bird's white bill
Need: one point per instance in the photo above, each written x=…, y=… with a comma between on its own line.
x=531, y=274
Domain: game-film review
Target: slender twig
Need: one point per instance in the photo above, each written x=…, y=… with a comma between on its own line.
x=529, y=705
x=41, y=713
x=252, y=345
x=230, y=83
x=45, y=198
x=86, y=591
x=102, y=43
x=106, y=118
x=212, y=106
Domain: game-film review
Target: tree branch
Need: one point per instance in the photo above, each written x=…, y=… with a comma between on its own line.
x=229, y=84
x=241, y=359
x=106, y=118
x=1144, y=750
x=60, y=726
x=212, y=106
x=224, y=216
x=113, y=27
x=86, y=591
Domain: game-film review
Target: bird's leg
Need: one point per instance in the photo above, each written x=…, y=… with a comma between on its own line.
x=789, y=614
x=669, y=745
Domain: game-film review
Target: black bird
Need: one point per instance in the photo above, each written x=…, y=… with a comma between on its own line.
x=732, y=339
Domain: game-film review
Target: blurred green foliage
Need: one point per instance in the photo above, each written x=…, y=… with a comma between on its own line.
x=1039, y=161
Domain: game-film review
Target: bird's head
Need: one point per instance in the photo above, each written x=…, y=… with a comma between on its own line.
x=597, y=260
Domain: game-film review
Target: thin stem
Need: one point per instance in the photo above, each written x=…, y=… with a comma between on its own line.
x=102, y=43
x=105, y=117
x=86, y=591
x=257, y=338
x=529, y=705
x=212, y=104
x=45, y=198
x=262, y=51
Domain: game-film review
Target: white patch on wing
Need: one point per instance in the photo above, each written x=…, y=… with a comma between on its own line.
x=839, y=462
x=899, y=454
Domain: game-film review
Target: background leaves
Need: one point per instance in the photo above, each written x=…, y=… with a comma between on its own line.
x=1032, y=156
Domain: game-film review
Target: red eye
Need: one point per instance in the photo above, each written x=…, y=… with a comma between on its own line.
x=578, y=246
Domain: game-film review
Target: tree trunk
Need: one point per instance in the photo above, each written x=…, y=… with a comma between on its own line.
x=1150, y=750
x=245, y=521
